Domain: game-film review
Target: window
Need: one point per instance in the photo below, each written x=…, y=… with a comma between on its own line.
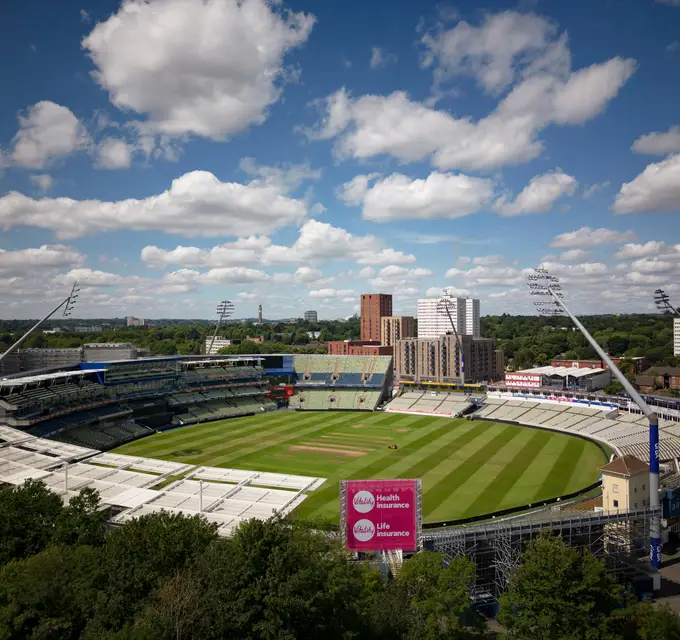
x=644, y=502
x=615, y=488
x=643, y=487
x=616, y=504
x=635, y=489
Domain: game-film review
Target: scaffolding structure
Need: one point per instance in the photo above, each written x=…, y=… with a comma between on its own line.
x=619, y=538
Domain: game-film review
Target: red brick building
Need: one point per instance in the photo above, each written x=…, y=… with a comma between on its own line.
x=374, y=306
x=358, y=348
x=639, y=363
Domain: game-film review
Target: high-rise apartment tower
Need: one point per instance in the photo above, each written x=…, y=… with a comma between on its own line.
x=374, y=306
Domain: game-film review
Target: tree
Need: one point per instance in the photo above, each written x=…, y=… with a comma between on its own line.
x=82, y=522
x=139, y=557
x=438, y=602
x=49, y=595
x=645, y=621
x=280, y=579
x=28, y=515
x=559, y=593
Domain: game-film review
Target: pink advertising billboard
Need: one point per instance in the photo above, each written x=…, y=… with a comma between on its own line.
x=379, y=515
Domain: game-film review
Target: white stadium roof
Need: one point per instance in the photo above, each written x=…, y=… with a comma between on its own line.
x=43, y=377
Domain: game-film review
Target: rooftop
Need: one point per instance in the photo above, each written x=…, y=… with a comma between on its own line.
x=574, y=372
x=626, y=466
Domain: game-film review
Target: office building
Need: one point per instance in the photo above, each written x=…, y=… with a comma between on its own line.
x=107, y=351
x=374, y=306
x=311, y=316
x=135, y=322
x=444, y=359
x=434, y=322
x=676, y=336
x=393, y=328
x=219, y=343
x=358, y=348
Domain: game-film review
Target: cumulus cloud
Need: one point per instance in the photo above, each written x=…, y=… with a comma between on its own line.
x=573, y=255
x=196, y=204
x=539, y=195
x=547, y=92
x=46, y=133
x=90, y=278
x=659, y=143
x=317, y=242
x=214, y=89
x=481, y=276
x=381, y=58
x=45, y=257
x=657, y=188
x=394, y=278
x=496, y=52
x=585, y=237
x=43, y=181
x=330, y=293
x=590, y=191
x=488, y=260
x=633, y=251
x=440, y=195
x=113, y=153
x=286, y=177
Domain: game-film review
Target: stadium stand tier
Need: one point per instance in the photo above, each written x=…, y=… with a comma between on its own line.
x=439, y=404
x=136, y=486
x=327, y=382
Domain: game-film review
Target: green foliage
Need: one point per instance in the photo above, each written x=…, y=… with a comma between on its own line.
x=535, y=340
x=82, y=522
x=559, y=593
x=28, y=516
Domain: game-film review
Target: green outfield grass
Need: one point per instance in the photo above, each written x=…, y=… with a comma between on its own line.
x=467, y=468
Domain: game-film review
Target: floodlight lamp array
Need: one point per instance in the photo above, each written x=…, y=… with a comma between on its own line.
x=663, y=302
x=225, y=309
x=71, y=300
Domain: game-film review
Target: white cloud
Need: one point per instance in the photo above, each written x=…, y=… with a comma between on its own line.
x=658, y=143
x=304, y=275
x=657, y=188
x=248, y=295
x=317, y=242
x=197, y=204
x=488, y=260
x=367, y=272
x=46, y=133
x=487, y=276
x=462, y=261
x=595, y=188
x=113, y=153
x=440, y=195
x=586, y=237
x=410, y=131
x=539, y=195
x=287, y=177
x=495, y=52
x=90, y=278
x=44, y=257
x=633, y=251
x=438, y=292
x=653, y=265
x=330, y=293
x=573, y=255
x=210, y=68
x=43, y=181
x=381, y=58
x=354, y=191
x=394, y=278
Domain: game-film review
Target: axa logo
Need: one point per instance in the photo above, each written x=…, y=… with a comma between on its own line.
x=363, y=501
x=363, y=530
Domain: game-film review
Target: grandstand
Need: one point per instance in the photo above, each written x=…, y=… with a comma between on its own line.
x=452, y=405
x=626, y=433
x=136, y=486
x=326, y=382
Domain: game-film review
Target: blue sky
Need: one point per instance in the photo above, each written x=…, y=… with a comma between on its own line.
x=168, y=154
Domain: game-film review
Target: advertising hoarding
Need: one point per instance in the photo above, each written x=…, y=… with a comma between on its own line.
x=381, y=515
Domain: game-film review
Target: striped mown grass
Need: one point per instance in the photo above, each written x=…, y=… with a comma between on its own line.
x=467, y=468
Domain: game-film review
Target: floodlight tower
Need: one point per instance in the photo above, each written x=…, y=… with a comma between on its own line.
x=225, y=309
x=543, y=284
x=444, y=308
x=68, y=305
x=663, y=303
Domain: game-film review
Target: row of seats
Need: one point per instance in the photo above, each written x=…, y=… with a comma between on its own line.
x=627, y=432
x=102, y=437
x=359, y=370
x=443, y=404
x=323, y=399
x=55, y=395
x=219, y=409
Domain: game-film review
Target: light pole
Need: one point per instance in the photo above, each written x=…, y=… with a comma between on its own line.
x=541, y=283
x=663, y=303
x=444, y=308
x=69, y=302
x=225, y=309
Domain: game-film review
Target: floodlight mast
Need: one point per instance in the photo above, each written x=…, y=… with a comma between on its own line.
x=68, y=305
x=225, y=309
x=445, y=305
x=663, y=303
x=552, y=287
